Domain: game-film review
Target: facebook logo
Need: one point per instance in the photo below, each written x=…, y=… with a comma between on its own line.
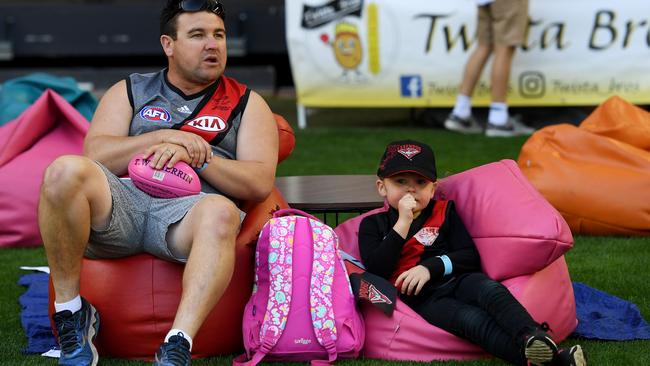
x=411, y=86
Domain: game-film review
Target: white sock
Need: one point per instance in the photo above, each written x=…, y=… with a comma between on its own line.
x=498, y=114
x=174, y=332
x=73, y=305
x=463, y=106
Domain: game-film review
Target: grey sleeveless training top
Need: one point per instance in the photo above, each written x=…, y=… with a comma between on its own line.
x=158, y=104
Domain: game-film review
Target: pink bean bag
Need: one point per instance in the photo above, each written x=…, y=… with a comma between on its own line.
x=521, y=239
x=51, y=127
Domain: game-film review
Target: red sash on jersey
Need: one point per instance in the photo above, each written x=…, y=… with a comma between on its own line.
x=213, y=119
x=414, y=247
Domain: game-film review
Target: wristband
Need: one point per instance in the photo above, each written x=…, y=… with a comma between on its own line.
x=447, y=262
x=202, y=168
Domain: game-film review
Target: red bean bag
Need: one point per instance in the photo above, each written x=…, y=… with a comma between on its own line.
x=286, y=136
x=598, y=174
x=51, y=127
x=521, y=239
x=137, y=296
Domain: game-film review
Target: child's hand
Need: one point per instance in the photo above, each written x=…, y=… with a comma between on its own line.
x=405, y=207
x=411, y=282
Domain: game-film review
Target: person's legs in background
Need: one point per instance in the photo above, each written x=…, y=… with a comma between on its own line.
x=461, y=118
x=500, y=123
x=510, y=19
x=500, y=76
x=501, y=28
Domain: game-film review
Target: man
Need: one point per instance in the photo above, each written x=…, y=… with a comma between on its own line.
x=85, y=209
x=501, y=28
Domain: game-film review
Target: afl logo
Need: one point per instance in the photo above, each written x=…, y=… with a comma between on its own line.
x=208, y=123
x=155, y=114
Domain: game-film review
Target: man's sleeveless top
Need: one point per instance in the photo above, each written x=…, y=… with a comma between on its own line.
x=214, y=113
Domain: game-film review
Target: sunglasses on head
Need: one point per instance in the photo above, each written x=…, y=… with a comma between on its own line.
x=197, y=5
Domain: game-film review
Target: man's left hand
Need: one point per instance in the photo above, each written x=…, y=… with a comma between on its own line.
x=166, y=153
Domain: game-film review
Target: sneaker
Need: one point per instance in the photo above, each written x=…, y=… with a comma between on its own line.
x=175, y=352
x=573, y=356
x=539, y=347
x=76, y=333
x=513, y=127
x=463, y=125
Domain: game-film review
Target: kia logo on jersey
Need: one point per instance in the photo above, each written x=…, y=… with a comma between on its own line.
x=208, y=124
x=155, y=114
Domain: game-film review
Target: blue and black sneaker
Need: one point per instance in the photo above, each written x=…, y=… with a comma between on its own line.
x=174, y=352
x=77, y=331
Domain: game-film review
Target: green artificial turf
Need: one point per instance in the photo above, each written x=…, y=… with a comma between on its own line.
x=350, y=142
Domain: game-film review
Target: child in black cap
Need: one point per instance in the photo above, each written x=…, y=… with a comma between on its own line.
x=422, y=246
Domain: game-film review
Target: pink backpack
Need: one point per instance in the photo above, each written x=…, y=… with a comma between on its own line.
x=302, y=307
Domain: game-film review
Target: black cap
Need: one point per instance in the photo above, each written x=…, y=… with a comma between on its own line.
x=408, y=156
x=374, y=289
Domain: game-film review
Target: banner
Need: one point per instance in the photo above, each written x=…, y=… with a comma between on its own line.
x=411, y=53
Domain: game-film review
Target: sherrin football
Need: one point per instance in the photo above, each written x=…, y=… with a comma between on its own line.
x=177, y=181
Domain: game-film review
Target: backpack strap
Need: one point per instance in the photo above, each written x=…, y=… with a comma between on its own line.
x=292, y=211
x=280, y=253
x=322, y=280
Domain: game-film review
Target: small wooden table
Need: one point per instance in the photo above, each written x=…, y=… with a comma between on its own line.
x=330, y=193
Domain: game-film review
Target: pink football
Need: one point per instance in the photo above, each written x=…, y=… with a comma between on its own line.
x=178, y=181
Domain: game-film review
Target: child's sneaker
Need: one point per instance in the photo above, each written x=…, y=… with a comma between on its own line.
x=76, y=333
x=539, y=347
x=174, y=352
x=513, y=127
x=573, y=356
x=463, y=125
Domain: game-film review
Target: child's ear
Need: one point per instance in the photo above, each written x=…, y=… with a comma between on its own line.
x=433, y=191
x=381, y=187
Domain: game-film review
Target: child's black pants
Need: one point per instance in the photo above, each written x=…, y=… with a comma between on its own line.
x=483, y=311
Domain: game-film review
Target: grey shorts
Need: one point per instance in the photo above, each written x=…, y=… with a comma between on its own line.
x=138, y=222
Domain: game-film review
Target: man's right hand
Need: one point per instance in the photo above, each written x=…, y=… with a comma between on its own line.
x=198, y=149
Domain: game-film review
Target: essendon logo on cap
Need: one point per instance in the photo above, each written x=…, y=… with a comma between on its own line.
x=208, y=123
x=155, y=114
x=409, y=151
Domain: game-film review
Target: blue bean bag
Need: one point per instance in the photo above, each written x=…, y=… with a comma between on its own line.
x=18, y=94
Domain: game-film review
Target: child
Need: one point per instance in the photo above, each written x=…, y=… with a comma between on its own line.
x=422, y=246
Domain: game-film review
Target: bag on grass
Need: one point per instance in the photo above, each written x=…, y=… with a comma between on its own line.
x=302, y=307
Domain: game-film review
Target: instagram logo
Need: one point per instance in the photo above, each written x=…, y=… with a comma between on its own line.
x=532, y=84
